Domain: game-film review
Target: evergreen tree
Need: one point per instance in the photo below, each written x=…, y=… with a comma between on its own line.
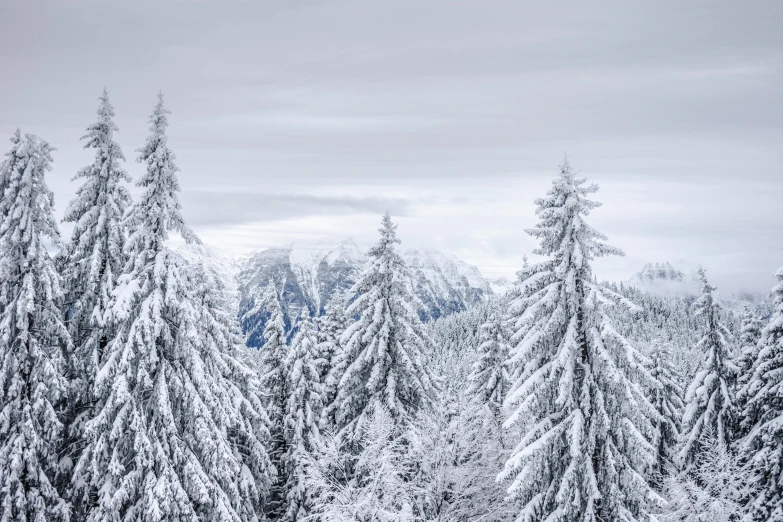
x=710, y=396
x=249, y=431
x=331, y=326
x=94, y=258
x=489, y=378
x=581, y=394
x=302, y=415
x=274, y=380
x=667, y=400
x=749, y=347
x=32, y=335
x=384, y=349
x=162, y=444
x=763, y=415
x=8, y=164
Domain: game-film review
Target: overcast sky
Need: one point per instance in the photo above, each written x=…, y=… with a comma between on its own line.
x=296, y=120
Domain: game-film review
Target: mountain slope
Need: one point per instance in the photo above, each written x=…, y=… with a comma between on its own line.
x=307, y=277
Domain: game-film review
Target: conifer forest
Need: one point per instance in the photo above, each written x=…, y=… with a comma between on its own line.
x=148, y=375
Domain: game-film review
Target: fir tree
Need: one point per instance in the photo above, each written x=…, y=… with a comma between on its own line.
x=489, y=378
x=94, y=258
x=710, y=396
x=331, y=326
x=249, y=431
x=274, y=380
x=749, y=347
x=302, y=415
x=162, y=444
x=384, y=349
x=581, y=393
x=32, y=335
x=667, y=400
x=763, y=415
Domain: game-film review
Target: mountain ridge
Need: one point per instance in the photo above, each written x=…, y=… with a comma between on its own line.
x=308, y=275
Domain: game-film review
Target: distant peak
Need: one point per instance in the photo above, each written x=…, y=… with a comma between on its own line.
x=658, y=272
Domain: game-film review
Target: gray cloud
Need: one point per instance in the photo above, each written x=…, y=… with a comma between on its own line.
x=451, y=114
x=220, y=208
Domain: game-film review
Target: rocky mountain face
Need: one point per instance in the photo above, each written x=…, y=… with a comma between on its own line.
x=658, y=272
x=307, y=277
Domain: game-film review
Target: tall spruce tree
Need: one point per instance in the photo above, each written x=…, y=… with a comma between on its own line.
x=763, y=415
x=162, y=444
x=331, y=326
x=384, y=350
x=489, y=376
x=710, y=406
x=751, y=327
x=667, y=398
x=249, y=431
x=32, y=338
x=581, y=394
x=274, y=380
x=94, y=259
x=302, y=415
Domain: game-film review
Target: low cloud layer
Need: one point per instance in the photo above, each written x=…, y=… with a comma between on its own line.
x=299, y=119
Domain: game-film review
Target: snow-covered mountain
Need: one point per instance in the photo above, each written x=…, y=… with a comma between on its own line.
x=307, y=276
x=666, y=280
x=657, y=272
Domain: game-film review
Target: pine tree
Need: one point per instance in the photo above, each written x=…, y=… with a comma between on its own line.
x=249, y=431
x=331, y=326
x=750, y=334
x=710, y=396
x=163, y=442
x=384, y=349
x=667, y=400
x=94, y=258
x=763, y=415
x=302, y=415
x=581, y=393
x=273, y=356
x=32, y=337
x=489, y=377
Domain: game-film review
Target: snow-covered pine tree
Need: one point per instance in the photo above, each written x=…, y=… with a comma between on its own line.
x=667, y=398
x=274, y=372
x=158, y=447
x=331, y=326
x=94, y=258
x=710, y=396
x=384, y=349
x=249, y=430
x=749, y=335
x=581, y=393
x=302, y=415
x=489, y=376
x=763, y=415
x=7, y=170
x=32, y=338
